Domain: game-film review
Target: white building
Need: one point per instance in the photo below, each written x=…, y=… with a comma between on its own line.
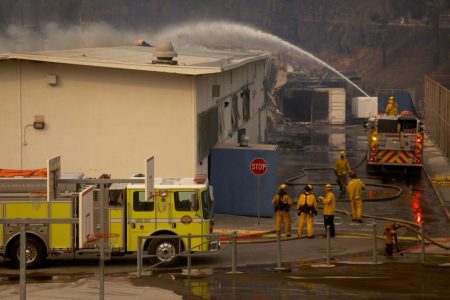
x=105, y=110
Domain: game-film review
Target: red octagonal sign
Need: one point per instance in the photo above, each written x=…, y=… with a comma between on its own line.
x=259, y=166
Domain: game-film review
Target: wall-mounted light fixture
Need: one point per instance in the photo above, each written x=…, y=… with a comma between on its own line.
x=39, y=124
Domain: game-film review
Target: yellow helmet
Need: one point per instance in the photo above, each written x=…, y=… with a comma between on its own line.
x=308, y=187
x=342, y=153
x=328, y=186
x=283, y=186
x=391, y=98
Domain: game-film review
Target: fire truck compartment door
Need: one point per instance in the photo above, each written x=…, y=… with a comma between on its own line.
x=85, y=215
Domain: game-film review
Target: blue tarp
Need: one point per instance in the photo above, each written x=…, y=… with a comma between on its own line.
x=403, y=100
x=236, y=187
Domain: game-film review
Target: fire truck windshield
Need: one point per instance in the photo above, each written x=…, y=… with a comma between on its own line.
x=387, y=126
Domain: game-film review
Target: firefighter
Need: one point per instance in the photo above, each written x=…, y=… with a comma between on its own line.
x=390, y=238
x=355, y=187
x=391, y=108
x=329, y=208
x=282, y=203
x=306, y=209
x=341, y=170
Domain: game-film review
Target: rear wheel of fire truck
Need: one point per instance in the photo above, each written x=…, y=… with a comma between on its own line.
x=35, y=253
x=372, y=170
x=414, y=171
x=165, y=251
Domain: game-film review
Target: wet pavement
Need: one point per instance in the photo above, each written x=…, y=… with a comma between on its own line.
x=352, y=270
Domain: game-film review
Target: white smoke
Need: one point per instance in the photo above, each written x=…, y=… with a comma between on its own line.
x=53, y=36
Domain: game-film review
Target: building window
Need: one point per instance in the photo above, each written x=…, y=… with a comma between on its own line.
x=245, y=104
x=208, y=131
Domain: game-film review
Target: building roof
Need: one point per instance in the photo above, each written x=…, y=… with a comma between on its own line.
x=140, y=58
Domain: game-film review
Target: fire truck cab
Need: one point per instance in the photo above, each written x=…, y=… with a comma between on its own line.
x=394, y=142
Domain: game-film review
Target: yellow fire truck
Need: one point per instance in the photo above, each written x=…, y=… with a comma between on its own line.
x=174, y=207
x=395, y=142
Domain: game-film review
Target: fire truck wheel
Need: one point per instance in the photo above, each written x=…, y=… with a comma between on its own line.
x=165, y=252
x=372, y=170
x=35, y=253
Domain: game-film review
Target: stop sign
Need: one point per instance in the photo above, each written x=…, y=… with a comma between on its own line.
x=259, y=166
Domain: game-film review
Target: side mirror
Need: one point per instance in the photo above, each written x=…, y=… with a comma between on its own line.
x=194, y=202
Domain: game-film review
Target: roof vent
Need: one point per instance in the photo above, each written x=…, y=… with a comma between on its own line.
x=165, y=53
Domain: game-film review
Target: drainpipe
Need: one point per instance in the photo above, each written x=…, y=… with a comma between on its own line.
x=19, y=101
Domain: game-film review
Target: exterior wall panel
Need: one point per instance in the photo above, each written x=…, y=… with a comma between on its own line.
x=102, y=120
x=10, y=124
x=232, y=83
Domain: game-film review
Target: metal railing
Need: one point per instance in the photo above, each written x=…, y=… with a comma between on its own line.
x=233, y=237
x=437, y=112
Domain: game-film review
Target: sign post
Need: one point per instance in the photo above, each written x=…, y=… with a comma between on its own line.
x=258, y=167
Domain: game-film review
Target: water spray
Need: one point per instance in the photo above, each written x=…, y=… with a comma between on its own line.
x=211, y=34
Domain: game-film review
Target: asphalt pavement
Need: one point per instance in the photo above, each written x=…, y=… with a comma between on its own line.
x=255, y=229
x=348, y=247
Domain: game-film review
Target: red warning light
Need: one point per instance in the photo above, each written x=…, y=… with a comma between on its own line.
x=200, y=178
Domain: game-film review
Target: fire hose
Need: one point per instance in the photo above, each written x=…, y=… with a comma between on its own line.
x=407, y=224
x=396, y=194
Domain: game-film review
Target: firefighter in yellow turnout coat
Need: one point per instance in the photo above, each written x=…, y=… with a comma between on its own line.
x=329, y=208
x=390, y=238
x=282, y=203
x=307, y=209
x=355, y=187
x=341, y=170
x=391, y=108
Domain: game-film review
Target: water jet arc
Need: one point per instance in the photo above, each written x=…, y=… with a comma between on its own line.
x=238, y=35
